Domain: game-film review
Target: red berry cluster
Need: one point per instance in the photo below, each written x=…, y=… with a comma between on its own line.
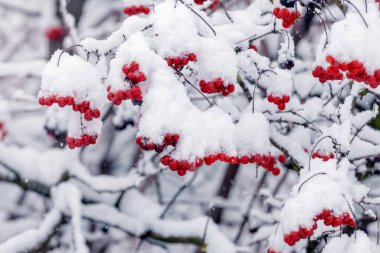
x=272, y=251
x=216, y=86
x=323, y=156
x=145, y=144
x=378, y=1
x=178, y=62
x=288, y=17
x=265, y=161
x=136, y=9
x=55, y=33
x=329, y=220
x=135, y=76
x=84, y=140
x=355, y=70
x=3, y=132
x=279, y=101
x=84, y=107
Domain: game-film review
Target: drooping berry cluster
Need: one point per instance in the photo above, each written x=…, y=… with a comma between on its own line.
x=328, y=218
x=181, y=166
x=322, y=156
x=355, y=70
x=288, y=17
x=136, y=9
x=146, y=144
x=83, y=107
x=84, y=140
x=55, y=33
x=3, y=132
x=135, y=77
x=279, y=101
x=178, y=62
x=216, y=86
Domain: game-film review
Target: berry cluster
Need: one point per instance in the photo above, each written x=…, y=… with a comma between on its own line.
x=169, y=139
x=84, y=107
x=355, y=70
x=3, y=132
x=55, y=33
x=82, y=141
x=279, y=101
x=136, y=9
x=288, y=17
x=329, y=220
x=272, y=251
x=216, y=86
x=181, y=166
x=178, y=62
x=323, y=156
x=135, y=77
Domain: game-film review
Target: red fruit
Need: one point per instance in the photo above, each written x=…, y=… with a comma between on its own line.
x=55, y=33
x=175, y=138
x=281, y=106
x=330, y=59
x=117, y=102
x=110, y=96
x=88, y=116
x=276, y=12
x=275, y=171
x=337, y=221
x=119, y=95
x=198, y=162
x=230, y=88
x=165, y=160
x=41, y=101
x=285, y=99
x=284, y=12
x=218, y=83
x=96, y=113
x=136, y=92
x=329, y=220
x=326, y=213
x=146, y=10
x=244, y=159
x=86, y=139
x=92, y=139
x=192, y=57
x=181, y=172
x=351, y=223
x=173, y=165
x=282, y=158
x=270, y=98
x=253, y=47
x=48, y=101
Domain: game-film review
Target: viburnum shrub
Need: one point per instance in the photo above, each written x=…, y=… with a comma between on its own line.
x=281, y=144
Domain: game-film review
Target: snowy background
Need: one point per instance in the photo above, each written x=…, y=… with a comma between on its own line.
x=218, y=126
